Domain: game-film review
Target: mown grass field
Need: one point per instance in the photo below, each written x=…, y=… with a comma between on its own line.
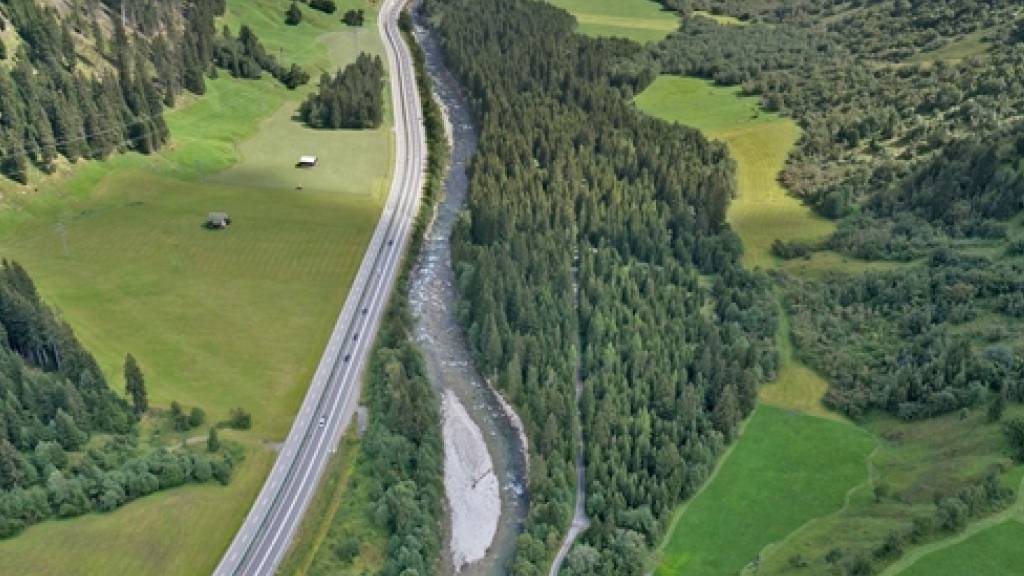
x=215, y=319
x=760, y=142
x=765, y=490
x=639, y=20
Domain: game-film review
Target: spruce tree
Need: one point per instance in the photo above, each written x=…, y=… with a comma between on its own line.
x=212, y=441
x=294, y=15
x=135, y=385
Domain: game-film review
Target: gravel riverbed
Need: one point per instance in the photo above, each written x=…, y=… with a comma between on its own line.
x=485, y=447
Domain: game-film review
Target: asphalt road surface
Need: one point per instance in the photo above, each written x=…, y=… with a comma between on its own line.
x=264, y=537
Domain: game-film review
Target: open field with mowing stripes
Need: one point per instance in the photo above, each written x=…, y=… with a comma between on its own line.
x=639, y=20
x=216, y=319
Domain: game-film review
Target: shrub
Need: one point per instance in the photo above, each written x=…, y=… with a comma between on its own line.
x=239, y=419
x=354, y=17
x=293, y=16
x=326, y=6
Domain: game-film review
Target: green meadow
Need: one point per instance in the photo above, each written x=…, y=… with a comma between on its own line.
x=216, y=319
x=639, y=20
x=763, y=491
x=914, y=461
x=760, y=142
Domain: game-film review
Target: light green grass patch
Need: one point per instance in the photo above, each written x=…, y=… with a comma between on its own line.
x=825, y=262
x=351, y=162
x=722, y=19
x=972, y=44
x=639, y=20
x=787, y=469
x=759, y=142
x=997, y=551
x=796, y=387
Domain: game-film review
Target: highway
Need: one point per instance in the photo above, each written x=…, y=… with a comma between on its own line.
x=265, y=535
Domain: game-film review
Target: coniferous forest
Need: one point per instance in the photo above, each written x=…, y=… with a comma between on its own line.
x=96, y=81
x=354, y=98
x=571, y=184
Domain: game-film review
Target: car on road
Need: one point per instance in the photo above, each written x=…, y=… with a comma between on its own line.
x=348, y=357
x=322, y=422
x=355, y=337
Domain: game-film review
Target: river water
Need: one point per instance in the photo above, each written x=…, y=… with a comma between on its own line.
x=440, y=337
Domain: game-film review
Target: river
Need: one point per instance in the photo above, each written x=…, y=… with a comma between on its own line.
x=449, y=363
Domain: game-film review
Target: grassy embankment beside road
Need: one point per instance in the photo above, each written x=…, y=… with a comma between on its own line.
x=215, y=319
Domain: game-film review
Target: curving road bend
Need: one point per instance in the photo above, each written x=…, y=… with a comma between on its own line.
x=265, y=535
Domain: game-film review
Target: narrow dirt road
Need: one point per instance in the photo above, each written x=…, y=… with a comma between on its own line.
x=580, y=521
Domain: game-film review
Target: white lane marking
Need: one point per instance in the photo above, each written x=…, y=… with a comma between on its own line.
x=409, y=202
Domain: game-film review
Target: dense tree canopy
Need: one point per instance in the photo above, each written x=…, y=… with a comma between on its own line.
x=354, y=98
x=572, y=187
x=921, y=161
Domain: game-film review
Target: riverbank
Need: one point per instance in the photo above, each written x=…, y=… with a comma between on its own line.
x=433, y=297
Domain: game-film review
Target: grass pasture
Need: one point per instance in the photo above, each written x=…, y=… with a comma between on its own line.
x=722, y=19
x=639, y=20
x=765, y=490
x=760, y=142
x=215, y=319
